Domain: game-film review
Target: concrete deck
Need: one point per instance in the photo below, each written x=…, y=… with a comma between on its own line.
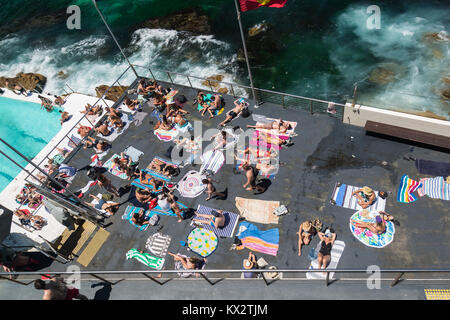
x=323, y=153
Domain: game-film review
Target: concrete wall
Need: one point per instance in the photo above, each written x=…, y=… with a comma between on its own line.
x=358, y=116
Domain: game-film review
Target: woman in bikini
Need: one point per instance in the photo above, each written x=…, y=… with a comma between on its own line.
x=378, y=227
x=216, y=219
x=91, y=111
x=278, y=125
x=131, y=104
x=103, y=129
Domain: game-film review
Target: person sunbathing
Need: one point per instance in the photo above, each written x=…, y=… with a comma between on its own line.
x=191, y=263
x=103, y=129
x=114, y=112
x=145, y=87
x=139, y=218
x=271, y=139
x=259, y=154
x=240, y=105
x=148, y=179
x=131, y=104
x=143, y=195
x=278, y=125
x=180, y=121
x=91, y=111
x=378, y=227
x=366, y=196
x=110, y=208
x=327, y=241
x=20, y=89
x=213, y=106
x=216, y=219
x=99, y=146
x=159, y=101
x=173, y=110
x=116, y=122
x=106, y=183
x=34, y=200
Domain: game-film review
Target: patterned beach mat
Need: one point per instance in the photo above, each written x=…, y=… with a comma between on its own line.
x=191, y=186
x=231, y=220
x=369, y=238
x=342, y=197
x=202, y=242
x=158, y=244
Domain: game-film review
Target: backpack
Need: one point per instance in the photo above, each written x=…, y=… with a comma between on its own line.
x=154, y=220
x=245, y=113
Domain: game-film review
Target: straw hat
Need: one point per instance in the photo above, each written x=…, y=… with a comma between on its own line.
x=247, y=264
x=448, y=179
x=367, y=190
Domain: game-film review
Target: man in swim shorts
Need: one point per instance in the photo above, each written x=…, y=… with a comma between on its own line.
x=240, y=105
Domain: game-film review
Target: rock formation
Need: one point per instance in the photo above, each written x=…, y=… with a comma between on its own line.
x=113, y=94
x=29, y=81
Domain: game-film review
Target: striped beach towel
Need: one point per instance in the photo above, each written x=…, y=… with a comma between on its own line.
x=145, y=258
x=436, y=188
x=336, y=253
x=406, y=189
x=202, y=242
x=128, y=214
x=114, y=168
x=160, y=211
x=342, y=197
x=191, y=186
x=158, y=244
x=266, y=242
x=212, y=161
x=369, y=238
x=166, y=135
x=261, y=143
x=231, y=220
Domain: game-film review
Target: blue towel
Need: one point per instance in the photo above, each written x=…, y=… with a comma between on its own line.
x=341, y=195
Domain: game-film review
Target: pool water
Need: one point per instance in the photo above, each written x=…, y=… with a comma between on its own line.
x=28, y=128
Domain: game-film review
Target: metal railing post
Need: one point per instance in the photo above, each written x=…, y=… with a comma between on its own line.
x=154, y=280
x=153, y=76
x=397, y=279
x=210, y=86
x=168, y=74
x=189, y=80
x=232, y=91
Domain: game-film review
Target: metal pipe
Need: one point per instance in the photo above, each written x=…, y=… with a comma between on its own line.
x=114, y=38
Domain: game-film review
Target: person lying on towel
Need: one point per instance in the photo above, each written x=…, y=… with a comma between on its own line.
x=139, y=218
x=327, y=241
x=378, y=227
x=146, y=178
x=102, y=205
x=91, y=111
x=214, y=105
x=271, y=139
x=133, y=105
x=240, y=105
x=165, y=124
x=164, y=168
x=278, y=125
x=191, y=263
x=215, y=220
x=366, y=196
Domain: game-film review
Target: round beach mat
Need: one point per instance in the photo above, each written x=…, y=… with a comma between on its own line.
x=203, y=242
x=191, y=186
x=369, y=238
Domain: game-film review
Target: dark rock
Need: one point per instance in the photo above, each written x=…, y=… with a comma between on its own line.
x=29, y=81
x=190, y=20
x=113, y=94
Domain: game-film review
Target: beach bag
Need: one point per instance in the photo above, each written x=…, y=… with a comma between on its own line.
x=154, y=220
x=245, y=113
x=281, y=210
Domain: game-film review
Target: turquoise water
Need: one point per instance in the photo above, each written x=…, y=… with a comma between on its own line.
x=28, y=128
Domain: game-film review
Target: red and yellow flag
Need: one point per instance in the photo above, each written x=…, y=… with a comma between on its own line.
x=247, y=5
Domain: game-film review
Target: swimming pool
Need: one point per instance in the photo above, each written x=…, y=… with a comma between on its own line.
x=28, y=128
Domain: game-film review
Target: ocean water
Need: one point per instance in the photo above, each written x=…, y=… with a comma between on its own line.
x=321, y=48
x=28, y=128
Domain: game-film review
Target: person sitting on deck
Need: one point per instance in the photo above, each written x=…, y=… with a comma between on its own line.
x=143, y=195
x=99, y=146
x=83, y=131
x=59, y=100
x=327, y=241
x=378, y=227
x=164, y=124
x=132, y=104
x=15, y=87
x=211, y=190
x=114, y=112
x=305, y=234
x=139, y=218
x=278, y=125
x=46, y=103
x=181, y=122
x=65, y=116
x=366, y=196
x=250, y=264
x=191, y=263
x=103, y=129
x=91, y=111
x=145, y=87
x=26, y=219
x=116, y=122
x=106, y=183
x=148, y=179
x=216, y=219
x=213, y=106
x=251, y=173
x=240, y=105
x=173, y=110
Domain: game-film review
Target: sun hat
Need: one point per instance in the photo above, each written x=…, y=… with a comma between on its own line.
x=367, y=190
x=247, y=264
x=328, y=233
x=448, y=179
